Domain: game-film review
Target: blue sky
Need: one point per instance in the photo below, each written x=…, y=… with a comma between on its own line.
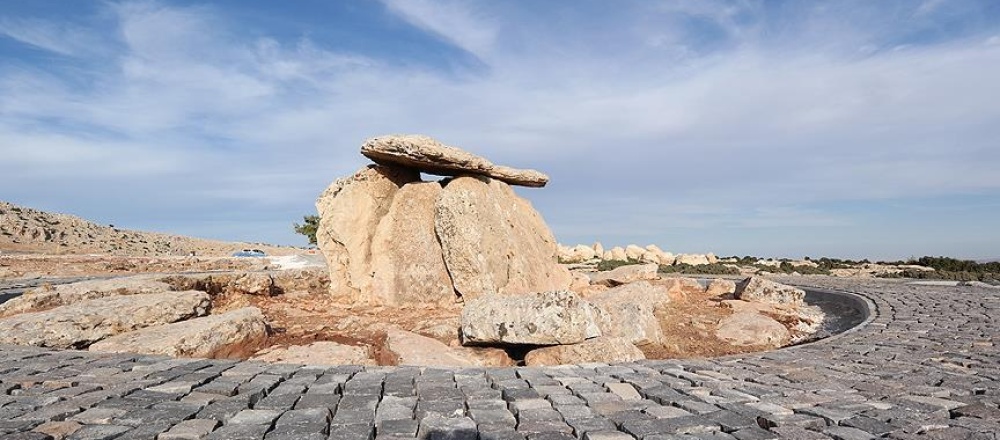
x=774, y=128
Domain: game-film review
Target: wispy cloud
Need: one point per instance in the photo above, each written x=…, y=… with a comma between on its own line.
x=657, y=116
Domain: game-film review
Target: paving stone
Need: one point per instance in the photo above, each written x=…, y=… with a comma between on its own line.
x=239, y=432
x=193, y=429
x=98, y=432
x=27, y=436
x=623, y=390
x=400, y=427
x=872, y=426
x=442, y=428
x=607, y=435
x=254, y=417
x=753, y=433
x=58, y=430
x=847, y=433
x=98, y=416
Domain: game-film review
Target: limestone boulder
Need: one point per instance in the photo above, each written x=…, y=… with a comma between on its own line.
x=628, y=313
x=667, y=259
x=350, y=211
x=603, y=349
x=626, y=274
x=692, y=259
x=653, y=293
x=752, y=329
x=232, y=334
x=253, y=283
x=634, y=252
x=681, y=287
x=48, y=297
x=494, y=241
x=649, y=257
x=408, y=348
x=720, y=287
x=548, y=318
x=317, y=353
x=618, y=254
x=430, y=156
x=759, y=289
x=598, y=249
x=407, y=264
x=712, y=259
x=580, y=280
x=81, y=324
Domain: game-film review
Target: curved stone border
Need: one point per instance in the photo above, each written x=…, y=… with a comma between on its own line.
x=925, y=366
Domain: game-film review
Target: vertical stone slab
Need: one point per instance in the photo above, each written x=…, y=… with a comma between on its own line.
x=407, y=266
x=350, y=209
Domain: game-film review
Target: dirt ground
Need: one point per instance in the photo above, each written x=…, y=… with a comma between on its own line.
x=65, y=266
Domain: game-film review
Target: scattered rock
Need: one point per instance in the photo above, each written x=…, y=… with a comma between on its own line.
x=626, y=274
x=654, y=293
x=580, y=280
x=633, y=252
x=617, y=254
x=681, y=287
x=408, y=348
x=253, y=283
x=48, y=297
x=317, y=353
x=603, y=349
x=430, y=156
x=407, y=266
x=762, y=290
x=628, y=313
x=239, y=332
x=748, y=328
x=494, y=241
x=81, y=324
x=350, y=210
x=720, y=287
x=548, y=318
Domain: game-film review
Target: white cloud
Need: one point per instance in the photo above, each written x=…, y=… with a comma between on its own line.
x=63, y=39
x=767, y=130
x=455, y=21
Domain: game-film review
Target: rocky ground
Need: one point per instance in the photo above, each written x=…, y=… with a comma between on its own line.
x=27, y=230
x=300, y=322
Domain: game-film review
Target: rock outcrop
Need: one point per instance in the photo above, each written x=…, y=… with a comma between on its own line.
x=494, y=241
x=391, y=239
x=759, y=289
x=430, y=156
x=407, y=264
x=80, y=325
x=603, y=349
x=749, y=328
x=350, y=210
x=628, y=313
x=48, y=297
x=235, y=333
x=626, y=274
x=408, y=348
x=720, y=287
x=549, y=318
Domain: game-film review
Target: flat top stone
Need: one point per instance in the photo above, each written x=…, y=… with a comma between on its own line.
x=430, y=156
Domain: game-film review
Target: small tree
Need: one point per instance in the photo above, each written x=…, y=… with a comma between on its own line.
x=308, y=228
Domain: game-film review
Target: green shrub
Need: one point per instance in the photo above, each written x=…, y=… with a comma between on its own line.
x=703, y=269
x=613, y=264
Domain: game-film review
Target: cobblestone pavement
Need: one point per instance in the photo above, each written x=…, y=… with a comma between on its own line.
x=927, y=366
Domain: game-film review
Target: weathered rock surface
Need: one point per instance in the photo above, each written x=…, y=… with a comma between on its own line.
x=408, y=348
x=603, y=349
x=65, y=294
x=317, y=353
x=253, y=283
x=762, y=290
x=350, y=210
x=430, y=156
x=681, y=287
x=626, y=274
x=548, y=318
x=800, y=319
x=720, y=287
x=692, y=259
x=407, y=264
x=238, y=332
x=628, y=312
x=494, y=241
x=81, y=324
x=748, y=328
